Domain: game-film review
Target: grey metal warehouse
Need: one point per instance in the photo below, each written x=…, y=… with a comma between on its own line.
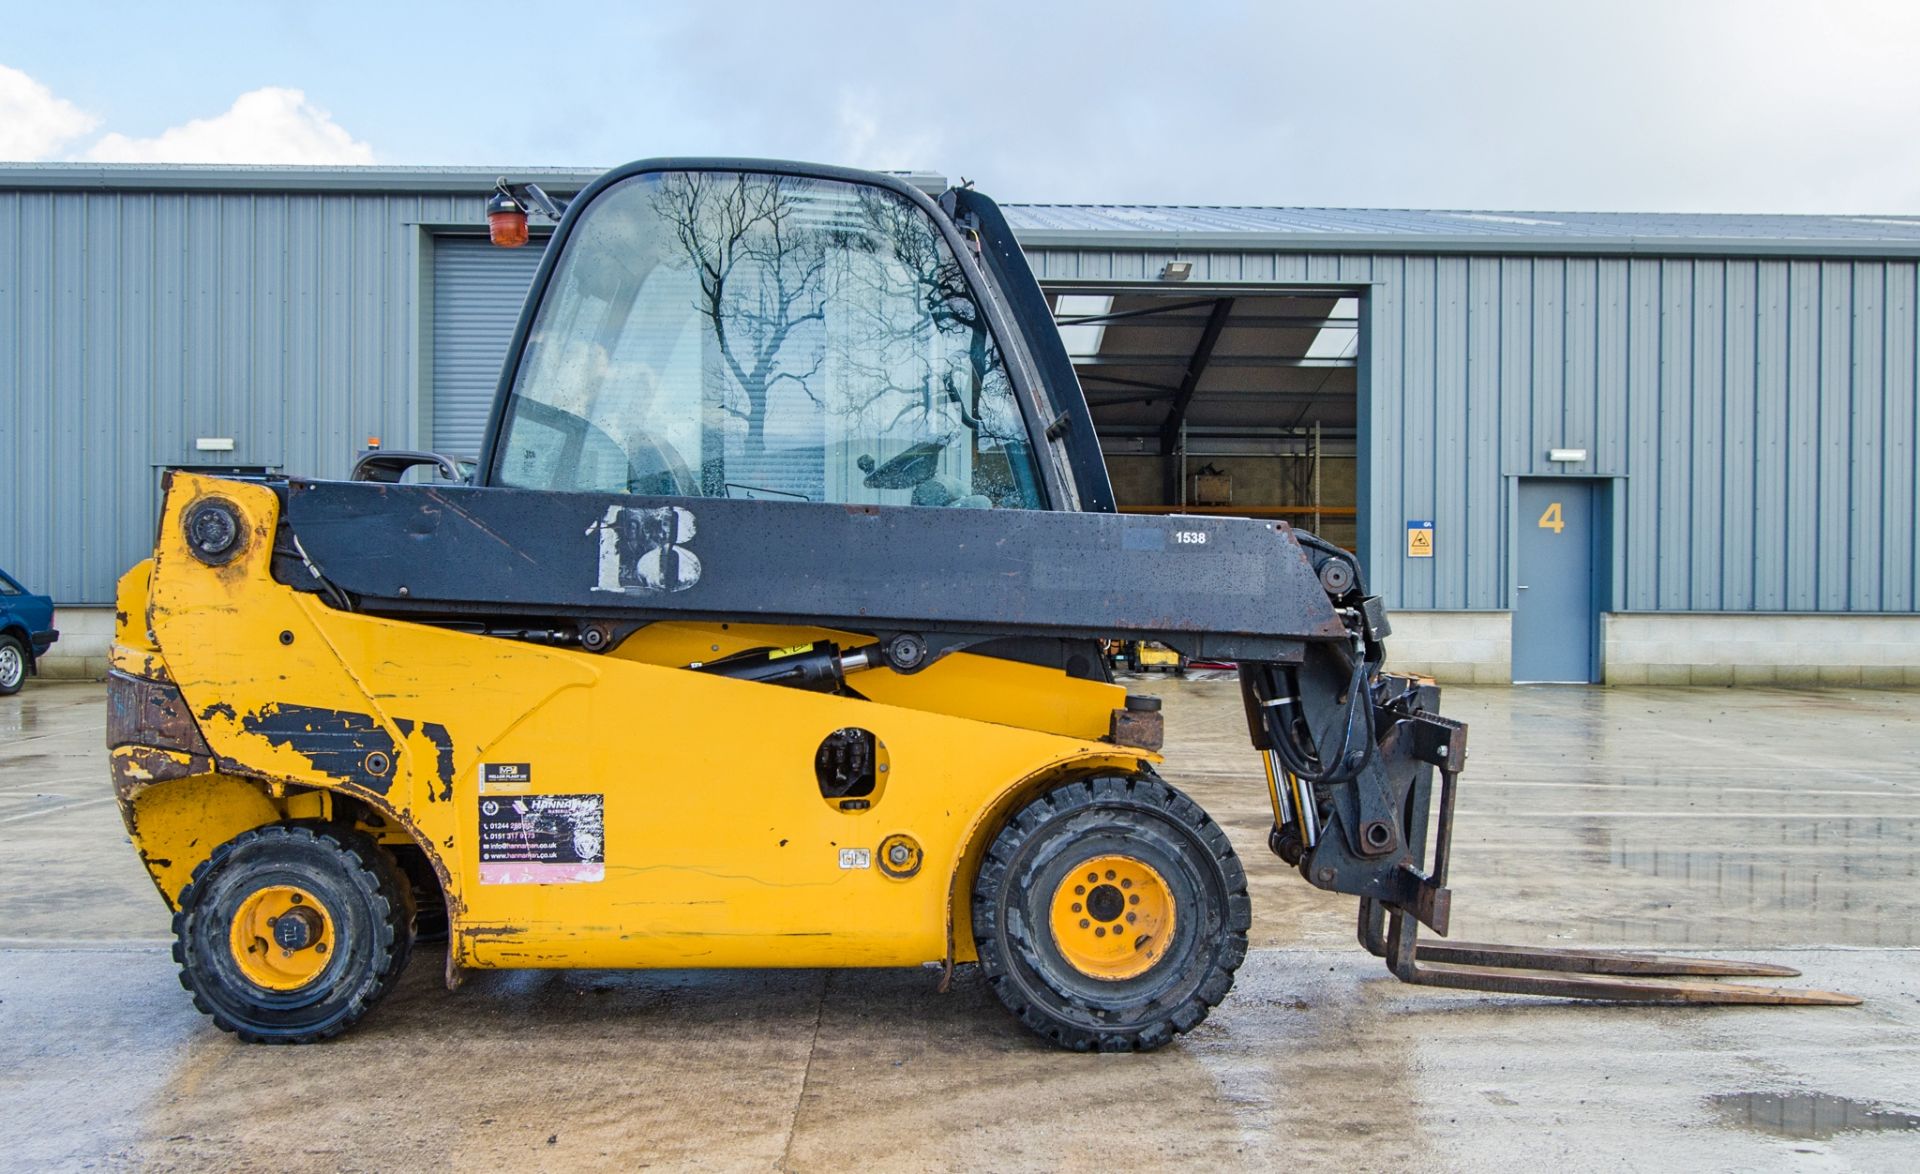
x=1589, y=447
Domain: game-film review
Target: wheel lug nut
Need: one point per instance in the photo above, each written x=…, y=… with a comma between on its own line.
x=1084, y=923
x=1076, y=906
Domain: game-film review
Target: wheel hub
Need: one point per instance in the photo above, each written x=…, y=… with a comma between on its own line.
x=1112, y=917
x=282, y=937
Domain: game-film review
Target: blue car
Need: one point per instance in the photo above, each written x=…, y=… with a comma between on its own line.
x=26, y=632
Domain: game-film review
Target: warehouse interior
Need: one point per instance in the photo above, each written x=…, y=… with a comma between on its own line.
x=1222, y=400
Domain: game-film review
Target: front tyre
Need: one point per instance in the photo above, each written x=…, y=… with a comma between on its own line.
x=289, y=933
x=1110, y=914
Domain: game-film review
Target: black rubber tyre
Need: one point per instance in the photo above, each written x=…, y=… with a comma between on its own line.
x=356, y=883
x=405, y=915
x=15, y=663
x=1048, y=840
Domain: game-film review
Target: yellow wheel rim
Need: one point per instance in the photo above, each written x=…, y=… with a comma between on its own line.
x=282, y=937
x=1112, y=917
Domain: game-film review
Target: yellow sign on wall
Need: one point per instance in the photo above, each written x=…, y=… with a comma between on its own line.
x=1420, y=538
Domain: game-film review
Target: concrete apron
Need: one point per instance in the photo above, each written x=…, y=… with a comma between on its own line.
x=1674, y=818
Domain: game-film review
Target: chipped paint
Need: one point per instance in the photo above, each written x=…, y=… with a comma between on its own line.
x=339, y=743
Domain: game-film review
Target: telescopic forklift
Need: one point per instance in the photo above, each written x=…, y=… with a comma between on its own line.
x=766, y=633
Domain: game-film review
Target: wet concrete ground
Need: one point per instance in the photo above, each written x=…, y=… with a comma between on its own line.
x=1774, y=824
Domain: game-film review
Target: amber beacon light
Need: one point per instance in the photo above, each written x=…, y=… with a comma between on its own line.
x=506, y=221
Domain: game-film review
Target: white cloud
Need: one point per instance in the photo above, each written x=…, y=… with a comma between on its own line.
x=34, y=122
x=268, y=125
x=869, y=138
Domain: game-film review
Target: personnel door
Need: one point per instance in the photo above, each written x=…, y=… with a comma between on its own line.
x=1556, y=603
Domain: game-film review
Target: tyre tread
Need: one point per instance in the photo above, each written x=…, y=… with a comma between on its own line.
x=363, y=864
x=1229, y=947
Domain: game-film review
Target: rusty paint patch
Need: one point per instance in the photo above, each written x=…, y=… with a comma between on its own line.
x=443, y=754
x=135, y=768
x=442, y=758
x=493, y=931
x=337, y=742
x=1145, y=731
x=149, y=713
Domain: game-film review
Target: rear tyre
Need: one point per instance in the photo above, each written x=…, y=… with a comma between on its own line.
x=13, y=665
x=1110, y=914
x=289, y=933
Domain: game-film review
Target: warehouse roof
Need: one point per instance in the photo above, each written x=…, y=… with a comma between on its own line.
x=1184, y=218
x=1417, y=230
x=1164, y=226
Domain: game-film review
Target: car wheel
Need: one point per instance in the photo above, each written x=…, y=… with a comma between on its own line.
x=13, y=665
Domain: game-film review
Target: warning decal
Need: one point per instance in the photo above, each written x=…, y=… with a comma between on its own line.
x=542, y=840
x=1420, y=538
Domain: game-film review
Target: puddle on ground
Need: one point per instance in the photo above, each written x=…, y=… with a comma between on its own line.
x=1809, y=1115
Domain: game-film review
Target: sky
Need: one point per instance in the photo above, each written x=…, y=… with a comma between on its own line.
x=1633, y=105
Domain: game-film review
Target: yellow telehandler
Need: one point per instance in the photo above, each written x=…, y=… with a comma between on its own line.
x=765, y=632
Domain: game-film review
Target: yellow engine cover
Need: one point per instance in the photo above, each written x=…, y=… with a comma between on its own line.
x=616, y=810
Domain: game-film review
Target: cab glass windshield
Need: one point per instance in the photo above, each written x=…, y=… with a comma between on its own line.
x=727, y=334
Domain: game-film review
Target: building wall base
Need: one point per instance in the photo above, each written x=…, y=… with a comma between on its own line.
x=1453, y=647
x=1757, y=648
x=86, y=636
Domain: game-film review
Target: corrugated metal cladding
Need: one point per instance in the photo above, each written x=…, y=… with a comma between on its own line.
x=1748, y=392
x=477, y=294
x=1757, y=416
x=139, y=321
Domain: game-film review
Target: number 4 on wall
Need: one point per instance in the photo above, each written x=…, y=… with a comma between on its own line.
x=1551, y=520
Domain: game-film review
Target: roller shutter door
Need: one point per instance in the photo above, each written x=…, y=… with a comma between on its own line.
x=477, y=294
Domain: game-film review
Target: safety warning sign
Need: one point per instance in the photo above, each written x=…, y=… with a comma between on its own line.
x=542, y=840
x=1420, y=538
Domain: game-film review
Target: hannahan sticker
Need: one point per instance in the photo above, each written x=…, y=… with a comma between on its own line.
x=543, y=840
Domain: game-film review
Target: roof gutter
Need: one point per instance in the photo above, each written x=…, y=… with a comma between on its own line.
x=1415, y=243
x=397, y=180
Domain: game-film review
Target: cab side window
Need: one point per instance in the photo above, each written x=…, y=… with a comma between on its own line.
x=744, y=335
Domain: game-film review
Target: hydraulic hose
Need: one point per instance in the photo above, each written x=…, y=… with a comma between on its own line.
x=1310, y=764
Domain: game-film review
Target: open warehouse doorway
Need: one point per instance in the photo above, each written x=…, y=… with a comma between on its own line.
x=1223, y=400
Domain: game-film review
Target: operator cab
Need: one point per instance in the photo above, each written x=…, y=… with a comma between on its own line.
x=776, y=332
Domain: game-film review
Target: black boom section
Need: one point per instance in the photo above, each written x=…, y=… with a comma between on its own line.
x=1232, y=588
